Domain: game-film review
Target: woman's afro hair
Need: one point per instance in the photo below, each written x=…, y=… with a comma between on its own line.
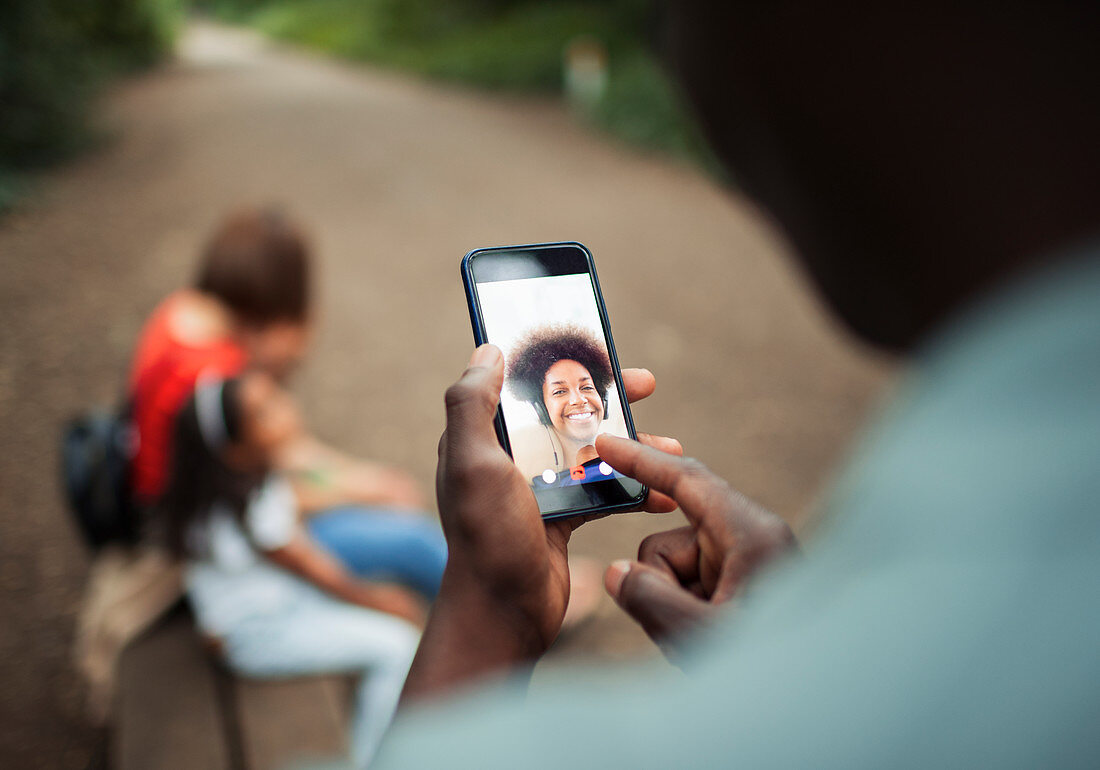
x=543, y=347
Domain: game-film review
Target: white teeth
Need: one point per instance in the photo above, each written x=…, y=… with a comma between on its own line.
x=580, y=416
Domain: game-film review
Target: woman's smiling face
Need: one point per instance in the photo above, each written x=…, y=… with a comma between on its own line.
x=573, y=402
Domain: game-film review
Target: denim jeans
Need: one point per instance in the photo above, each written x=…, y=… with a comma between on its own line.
x=383, y=544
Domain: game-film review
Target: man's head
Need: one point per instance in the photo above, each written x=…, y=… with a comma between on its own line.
x=915, y=154
x=257, y=264
x=565, y=374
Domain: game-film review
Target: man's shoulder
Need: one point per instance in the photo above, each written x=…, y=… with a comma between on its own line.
x=993, y=425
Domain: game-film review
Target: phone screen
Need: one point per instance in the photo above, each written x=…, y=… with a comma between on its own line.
x=541, y=305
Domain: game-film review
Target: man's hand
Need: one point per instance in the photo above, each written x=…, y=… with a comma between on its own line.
x=506, y=585
x=682, y=575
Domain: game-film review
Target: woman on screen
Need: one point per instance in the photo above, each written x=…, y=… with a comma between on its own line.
x=565, y=374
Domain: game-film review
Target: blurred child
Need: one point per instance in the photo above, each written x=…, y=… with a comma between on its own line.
x=273, y=602
x=249, y=305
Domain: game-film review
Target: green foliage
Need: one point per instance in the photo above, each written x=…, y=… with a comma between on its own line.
x=129, y=34
x=45, y=77
x=516, y=45
x=53, y=56
x=643, y=107
x=518, y=48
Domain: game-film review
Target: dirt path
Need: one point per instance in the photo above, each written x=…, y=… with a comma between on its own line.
x=397, y=179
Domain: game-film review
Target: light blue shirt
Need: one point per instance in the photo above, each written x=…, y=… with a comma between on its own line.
x=947, y=613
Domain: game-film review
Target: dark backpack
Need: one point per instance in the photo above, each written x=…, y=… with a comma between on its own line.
x=97, y=448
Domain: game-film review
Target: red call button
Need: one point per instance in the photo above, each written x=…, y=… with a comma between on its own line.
x=577, y=473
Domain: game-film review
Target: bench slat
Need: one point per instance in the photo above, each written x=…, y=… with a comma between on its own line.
x=168, y=712
x=291, y=721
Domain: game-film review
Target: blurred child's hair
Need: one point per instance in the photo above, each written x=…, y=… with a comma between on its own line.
x=257, y=263
x=198, y=478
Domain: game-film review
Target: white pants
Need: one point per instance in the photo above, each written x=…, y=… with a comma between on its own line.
x=321, y=635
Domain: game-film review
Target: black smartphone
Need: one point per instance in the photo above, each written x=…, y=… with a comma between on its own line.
x=541, y=305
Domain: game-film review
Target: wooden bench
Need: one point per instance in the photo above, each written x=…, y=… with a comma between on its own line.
x=176, y=709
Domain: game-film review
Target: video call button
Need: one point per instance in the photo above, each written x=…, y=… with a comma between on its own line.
x=577, y=473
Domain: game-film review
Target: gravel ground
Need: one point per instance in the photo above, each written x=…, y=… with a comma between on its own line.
x=396, y=180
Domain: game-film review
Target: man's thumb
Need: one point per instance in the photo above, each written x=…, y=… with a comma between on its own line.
x=664, y=609
x=472, y=402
